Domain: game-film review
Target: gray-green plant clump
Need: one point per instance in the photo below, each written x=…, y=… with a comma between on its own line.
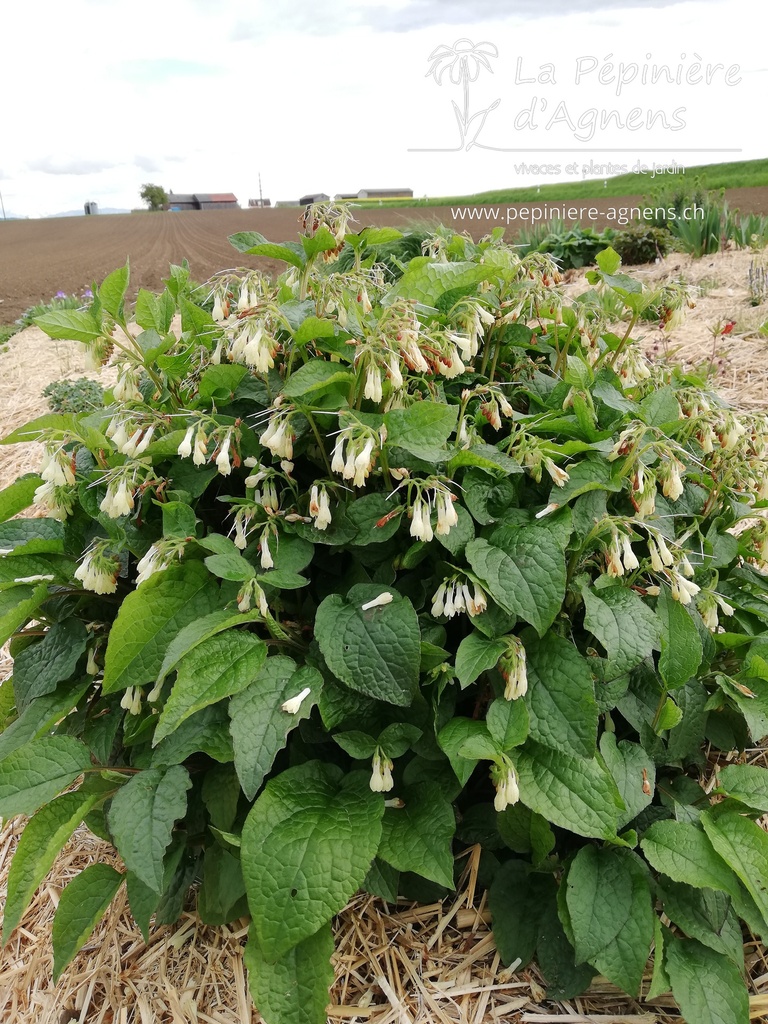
x=366, y=568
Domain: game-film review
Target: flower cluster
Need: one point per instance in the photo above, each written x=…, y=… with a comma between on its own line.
x=354, y=454
x=454, y=596
x=99, y=569
x=512, y=665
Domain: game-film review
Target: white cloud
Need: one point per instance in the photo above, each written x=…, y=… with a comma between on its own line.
x=201, y=95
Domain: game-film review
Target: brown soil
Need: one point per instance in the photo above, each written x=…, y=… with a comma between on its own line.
x=40, y=257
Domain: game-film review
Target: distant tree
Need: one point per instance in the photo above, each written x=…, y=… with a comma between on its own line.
x=154, y=196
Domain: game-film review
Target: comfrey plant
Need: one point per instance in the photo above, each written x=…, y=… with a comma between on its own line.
x=356, y=573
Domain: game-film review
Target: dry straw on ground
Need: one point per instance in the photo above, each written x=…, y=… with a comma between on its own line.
x=403, y=964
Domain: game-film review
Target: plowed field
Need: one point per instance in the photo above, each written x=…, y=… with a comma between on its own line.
x=40, y=257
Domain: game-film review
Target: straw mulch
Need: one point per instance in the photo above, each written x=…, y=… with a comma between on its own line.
x=404, y=964
x=720, y=290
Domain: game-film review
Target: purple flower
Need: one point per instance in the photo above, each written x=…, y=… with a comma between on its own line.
x=60, y=295
x=87, y=294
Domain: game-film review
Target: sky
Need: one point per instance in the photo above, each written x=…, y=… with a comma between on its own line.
x=100, y=96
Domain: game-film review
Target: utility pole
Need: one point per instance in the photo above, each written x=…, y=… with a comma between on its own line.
x=261, y=200
x=2, y=204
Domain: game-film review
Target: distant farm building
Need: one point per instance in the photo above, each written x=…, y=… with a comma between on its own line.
x=261, y=203
x=313, y=197
x=385, y=193
x=180, y=201
x=91, y=207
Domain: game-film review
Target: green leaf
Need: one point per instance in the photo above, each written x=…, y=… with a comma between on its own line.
x=570, y=792
x=707, y=987
x=357, y=744
x=475, y=655
x=41, y=715
x=154, y=312
x=367, y=512
x=608, y=260
x=34, y=536
x=18, y=496
x=321, y=241
x=178, y=519
x=222, y=893
x=81, y=906
x=219, y=383
x=598, y=895
x=523, y=569
x=422, y=429
x=591, y=474
x=608, y=896
x=417, y=837
x=516, y=899
x=150, y=618
x=112, y=292
x=660, y=407
x=486, y=457
x=623, y=960
x=294, y=988
x=660, y=983
x=14, y=569
x=706, y=915
x=252, y=243
x=670, y=716
x=36, y=772
x=747, y=783
x=376, y=651
x=622, y=622
x=631, y=767
x=681, y=647
x=206, y=731
x=457, y=736
x=743, y=845
x=307, y=844
x=18, y=606
x=561, y=696
x=218, y=668
x=565, y=979
x=258, y=724
x=426, y=281
x=200, y=630
x=141, y=819
x=40, y=843
x=314, y=327
x=525, y=831
x=197, y=323
x=316, y=375
x=39, y=668
x=684, y=853
x=70, y=325
x=508, y=723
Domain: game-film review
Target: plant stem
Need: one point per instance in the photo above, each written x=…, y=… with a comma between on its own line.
x=319, y=439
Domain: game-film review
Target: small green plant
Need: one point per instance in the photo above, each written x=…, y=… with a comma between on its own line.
x=748, y=232
x=69, y=396
x=571, y=247
x=702, y=231
x=60, y=301
x=669, y=200
x=758, y=283
x=359, y=573
x=7, y=331
x=642, y=243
